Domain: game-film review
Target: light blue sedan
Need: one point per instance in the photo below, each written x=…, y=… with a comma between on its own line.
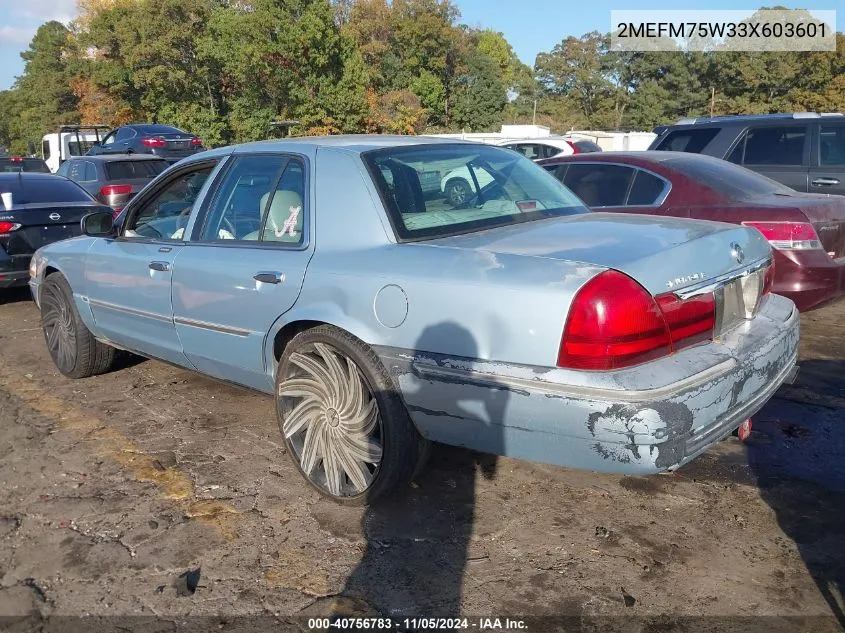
x=382, y=317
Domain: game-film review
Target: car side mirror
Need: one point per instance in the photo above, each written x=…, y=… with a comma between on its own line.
x=98, y=224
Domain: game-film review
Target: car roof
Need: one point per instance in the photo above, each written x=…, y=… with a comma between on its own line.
x=745, y=118
x=355, y=143
x=644, y=158
x=107, y=158
x=28, y=175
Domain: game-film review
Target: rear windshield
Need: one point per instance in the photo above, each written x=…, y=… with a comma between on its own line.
x=158, y=129
x=28, y=164
x=692, y=140
x=433, y=191
x=44, y=190
x=133, y=169
x=728, y=179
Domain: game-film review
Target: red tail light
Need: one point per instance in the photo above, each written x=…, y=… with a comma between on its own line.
x=614, y=322
x=575, y=149
x=8, y=227
x=788, y=235
x=152, y=141
x=196, y=141
x=115, y=190
x=16, y=159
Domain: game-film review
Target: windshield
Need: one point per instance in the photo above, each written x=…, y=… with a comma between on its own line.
x=433, y=191
x=733, y=181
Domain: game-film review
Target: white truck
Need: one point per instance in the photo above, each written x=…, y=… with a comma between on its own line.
x=70, y=140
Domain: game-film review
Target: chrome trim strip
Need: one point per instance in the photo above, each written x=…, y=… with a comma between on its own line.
x=134, y=311
x=711, y=284
x=205, y=325
x=596, y=393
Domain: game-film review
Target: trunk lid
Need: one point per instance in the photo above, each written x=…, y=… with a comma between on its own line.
x=43, y=224
x=661, y=253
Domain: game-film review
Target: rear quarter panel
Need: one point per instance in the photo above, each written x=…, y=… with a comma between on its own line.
x=391, y=295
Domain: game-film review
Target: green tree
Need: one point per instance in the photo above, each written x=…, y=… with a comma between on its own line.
x=43, y=97
x=480, y=95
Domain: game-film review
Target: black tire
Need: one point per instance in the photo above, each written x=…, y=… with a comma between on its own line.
x=403, y=449
x=74, y=350
x=458, y=192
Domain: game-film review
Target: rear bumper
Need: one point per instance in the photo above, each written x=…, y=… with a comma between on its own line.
x=644, y=420
x=811, y=279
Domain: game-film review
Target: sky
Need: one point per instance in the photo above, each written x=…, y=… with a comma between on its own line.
x=531, y=26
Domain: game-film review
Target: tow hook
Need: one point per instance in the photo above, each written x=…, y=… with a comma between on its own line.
x=744, y=430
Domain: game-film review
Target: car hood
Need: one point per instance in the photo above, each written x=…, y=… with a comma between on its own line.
x=653, y=250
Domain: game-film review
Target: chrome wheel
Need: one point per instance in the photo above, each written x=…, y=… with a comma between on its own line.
x=331, y=420
x=59, y=332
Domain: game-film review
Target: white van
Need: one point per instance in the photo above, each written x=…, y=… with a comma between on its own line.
x=70, y=140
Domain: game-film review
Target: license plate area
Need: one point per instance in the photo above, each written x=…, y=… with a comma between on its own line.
x=737, y=301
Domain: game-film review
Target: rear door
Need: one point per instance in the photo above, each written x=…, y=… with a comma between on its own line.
x=244, y=265
x=781, y=152
x=827, y=170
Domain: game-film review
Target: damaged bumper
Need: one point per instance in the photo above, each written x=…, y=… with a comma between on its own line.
x=647, y=419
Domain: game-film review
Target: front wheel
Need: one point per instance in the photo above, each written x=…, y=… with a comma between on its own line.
x=74, y=350
x=344, y=425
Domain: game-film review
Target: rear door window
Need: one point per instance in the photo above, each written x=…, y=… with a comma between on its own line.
x=692, y=140
x=832, y=146
x=771, y=145
x=600, y=185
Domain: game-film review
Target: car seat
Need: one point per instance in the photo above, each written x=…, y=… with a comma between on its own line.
x=284, y=218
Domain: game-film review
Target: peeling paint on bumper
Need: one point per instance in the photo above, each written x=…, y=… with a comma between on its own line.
x=642, y=420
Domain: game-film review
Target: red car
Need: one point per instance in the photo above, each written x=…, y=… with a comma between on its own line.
x=806, y=230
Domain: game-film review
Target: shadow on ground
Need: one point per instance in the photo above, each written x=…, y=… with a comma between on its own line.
x=418, y=540
x=796, y=452
x=15, y=295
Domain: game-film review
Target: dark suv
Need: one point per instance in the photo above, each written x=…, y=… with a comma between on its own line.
x=804, y=150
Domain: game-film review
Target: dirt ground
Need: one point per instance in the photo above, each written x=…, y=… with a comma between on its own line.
x=153, y=491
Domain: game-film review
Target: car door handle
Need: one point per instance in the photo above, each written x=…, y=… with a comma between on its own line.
x=160, y=266
x=826, y=181
x=269, y=277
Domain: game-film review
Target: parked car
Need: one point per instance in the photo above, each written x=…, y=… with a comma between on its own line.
x=543, y=147
x=523, y=325
x=803, y=150
x=584, y=146
x=113, y=179
x=807, y=231
x=165, y=141
x=16, y=164
x=36, y=209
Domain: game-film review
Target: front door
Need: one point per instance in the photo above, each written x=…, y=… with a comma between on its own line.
x=827, y=173
x=128, y=279
x=243, y=266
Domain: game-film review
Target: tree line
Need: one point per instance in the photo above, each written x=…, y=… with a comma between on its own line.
x=225, y=69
